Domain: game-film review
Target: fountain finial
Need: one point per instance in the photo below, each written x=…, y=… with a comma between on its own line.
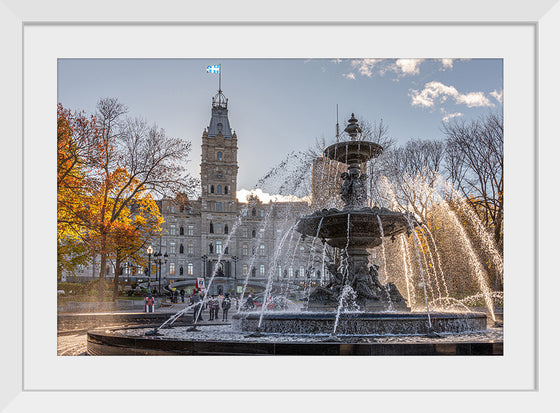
x=353, y=129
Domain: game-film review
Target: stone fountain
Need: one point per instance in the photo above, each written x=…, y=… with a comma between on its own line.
x=354, y=229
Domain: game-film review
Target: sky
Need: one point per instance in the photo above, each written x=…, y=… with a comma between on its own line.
x=277, y=106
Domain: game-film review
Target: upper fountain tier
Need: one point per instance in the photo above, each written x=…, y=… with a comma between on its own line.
x=353, y=152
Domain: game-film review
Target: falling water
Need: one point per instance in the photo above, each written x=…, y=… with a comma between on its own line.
x=415, y=238
x=312, y=258
x=254, y=257
x=432, y=263
x=271, y=271
x=438, y=260
x=345, y=290
x=383, y=257
x=475, y=262
x=407, y=274
x=176, y=316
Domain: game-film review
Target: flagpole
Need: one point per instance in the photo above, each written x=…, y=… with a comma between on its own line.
x=220, y=77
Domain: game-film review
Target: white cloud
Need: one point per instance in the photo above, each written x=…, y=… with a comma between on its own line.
x=408, y=66
x=450, y=116
x=499, y=96
x=438, y=91
x=243, y=195
x=337, y=61
x=365, y=66
x=446, y=63
x=349, y=76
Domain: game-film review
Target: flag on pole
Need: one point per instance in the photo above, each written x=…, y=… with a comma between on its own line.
x=213, y=69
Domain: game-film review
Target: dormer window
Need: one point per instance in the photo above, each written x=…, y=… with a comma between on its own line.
x=220, y=126
x=219, y=155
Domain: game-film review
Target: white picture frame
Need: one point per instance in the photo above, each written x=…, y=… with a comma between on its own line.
x=541, y=17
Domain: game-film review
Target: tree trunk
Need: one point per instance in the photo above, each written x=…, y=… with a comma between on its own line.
x=103, y=265
x=118, y=271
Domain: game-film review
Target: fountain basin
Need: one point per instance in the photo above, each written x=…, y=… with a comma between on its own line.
x=359, y=323
x=363, y=230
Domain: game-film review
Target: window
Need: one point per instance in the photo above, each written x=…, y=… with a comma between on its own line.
x=219, y=189
x=262, y=271
x=245, y=232
x=190, y=248
x=172, y=268
x=318, y=274
x=218, y=247
x=190, y=210
x=253, y=272
x=190, y=230
x=226, y=251
x=190, y=269
x=172, y=229
x=181, y=231
x=261, y=249
x=279, y=271
x=211, y=189
x=219, y=175
x=181, y=249
x=218, y=228
x=226, y=229
x=285, y=273
x=253, y=234
x=245, y=250
x=211, y=227
x=218, y=206
x=262, y=212
x=181, y=270
x=291, y=272
x=219, y=155
x=301, y=272
x=245, y=270
x=172, y=248
x=254, y=212
x=226, y=189
x=245, y=212
x=211, y=248
x=172, y=208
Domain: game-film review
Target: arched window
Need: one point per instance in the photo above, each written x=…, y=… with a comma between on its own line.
x=181, y=249
x=211, y=248
x=211, y=189
x=226, y=189
x=219, y=155
x=181, y=270
x=211, y=227
x=226, y=229
x=181, y=231
x=219, y=189
x=253, y=234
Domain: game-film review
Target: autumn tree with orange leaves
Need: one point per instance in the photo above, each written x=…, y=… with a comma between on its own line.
x=127, y=163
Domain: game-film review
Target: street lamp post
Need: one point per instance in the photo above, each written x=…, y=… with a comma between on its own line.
x=159, y=260
x=204, y=258
x=235, y=258
x=150, y=251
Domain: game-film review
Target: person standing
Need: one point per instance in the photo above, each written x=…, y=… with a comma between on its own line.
x=226, y=304
x=182, y=295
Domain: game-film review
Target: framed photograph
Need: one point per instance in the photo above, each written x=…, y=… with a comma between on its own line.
x=51, y=53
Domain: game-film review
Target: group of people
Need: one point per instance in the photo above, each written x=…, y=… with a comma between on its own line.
x=214, y=304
